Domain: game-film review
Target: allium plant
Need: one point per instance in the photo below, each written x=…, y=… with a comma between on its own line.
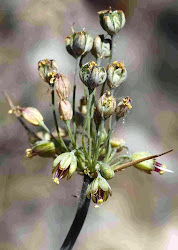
x=85, y=145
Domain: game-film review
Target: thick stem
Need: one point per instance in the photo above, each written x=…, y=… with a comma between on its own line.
x=77, y=67
x=63, y=146
x=80, y=216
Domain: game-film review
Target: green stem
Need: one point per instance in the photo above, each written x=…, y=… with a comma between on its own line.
x=97, y=148
x=109, y=134
x=48, y=131
x=110, y=59
x=77, y=67
x=63, y=146
x=70, y=134
x=120, y=156
x=87, y=121
x=111, y=155
x=109, y=128
x=123, y=157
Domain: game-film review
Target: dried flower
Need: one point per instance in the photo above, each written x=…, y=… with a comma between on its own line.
x=79, y=43
x=42, y=148
x=149, y=165
x=116, y=74
x=63, y=86
x=64, y=164
x=92, y=75
x=99, y=190
x=123, y=107
x=106, y=105
x=47, y=70
x=65, y=110
x=101, y=47
x=112, y=21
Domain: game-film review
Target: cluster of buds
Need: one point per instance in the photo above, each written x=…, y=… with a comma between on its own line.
x=88, y=147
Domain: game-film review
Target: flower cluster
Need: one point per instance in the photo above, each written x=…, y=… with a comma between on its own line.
x=85, y=145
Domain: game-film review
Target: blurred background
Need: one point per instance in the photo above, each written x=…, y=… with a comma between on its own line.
x=142, y=214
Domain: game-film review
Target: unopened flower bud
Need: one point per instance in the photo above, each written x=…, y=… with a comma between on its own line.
x=47, y=70
x=63, y=86
x=92, y=75
x=64, y=164
x=83, y=105
x=79, y=43
x=116, y=74
x=112, y=21
x=106, y=171
x=42, y=148
x=65, y=110
x=123, y=107
x=119, y=144
x=98, y=190
x=32, y=115
x=101, y=47
x=106, y=105
x=103, y=135
x=149, y=165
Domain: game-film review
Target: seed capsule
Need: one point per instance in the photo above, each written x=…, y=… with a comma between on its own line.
x=79, y=43
x=123, y=107
x=112, y=21
x=101, y=47
x=92, y=75
x=106, y=105
x=47, y=70
x=116, y=74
